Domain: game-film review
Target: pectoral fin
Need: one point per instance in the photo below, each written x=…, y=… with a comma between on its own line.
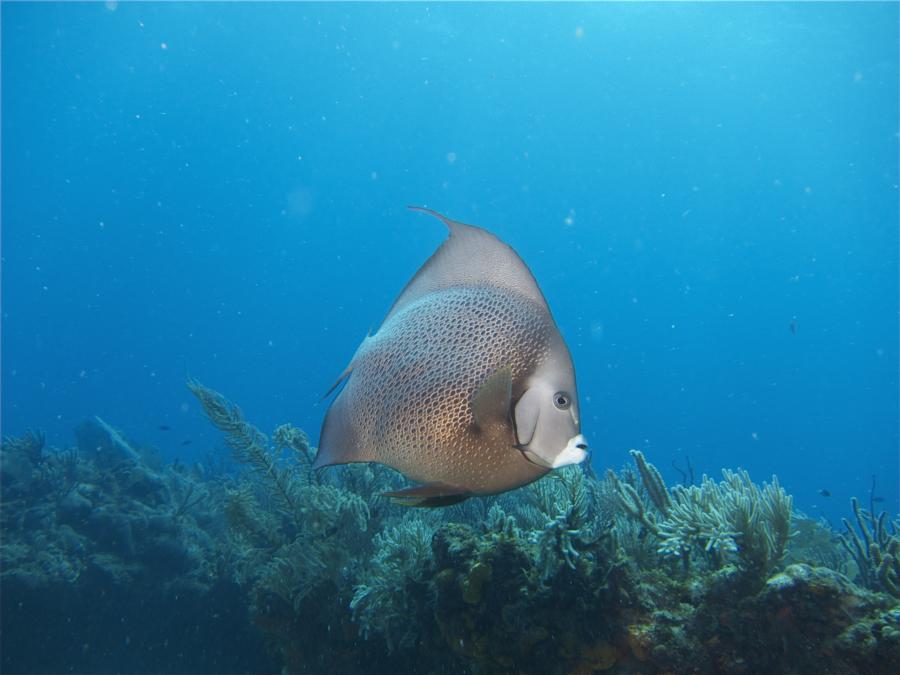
x=491, y=404
x=430, y=495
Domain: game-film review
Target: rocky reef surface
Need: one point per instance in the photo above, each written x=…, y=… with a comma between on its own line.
x=124, y=564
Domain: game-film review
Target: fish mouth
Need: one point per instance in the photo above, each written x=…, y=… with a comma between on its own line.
x=575, y=452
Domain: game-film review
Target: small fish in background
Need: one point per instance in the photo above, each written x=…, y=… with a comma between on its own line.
x=877, y=500
x=163, y=427
x=824, y=492
x=793, y=326
x=187, y=442
x=467, y=387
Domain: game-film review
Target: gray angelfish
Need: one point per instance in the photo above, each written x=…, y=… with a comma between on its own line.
x=467, y=387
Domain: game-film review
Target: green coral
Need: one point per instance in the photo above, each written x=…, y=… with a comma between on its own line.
x=562, y=510
x=313, y=509
x=653, y=483
x=250, y=446
x=20, y=461
x=877, y=551
x=384, y=599
x=501, y=608
x=734, y=518
x=30, y=444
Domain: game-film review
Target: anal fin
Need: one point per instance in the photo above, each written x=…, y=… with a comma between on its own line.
x=430, y=495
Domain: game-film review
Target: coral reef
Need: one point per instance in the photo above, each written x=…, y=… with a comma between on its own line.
x=113, y=559
x=734, y=518
x=569, y=575
x=294, y=537
x=392, y=586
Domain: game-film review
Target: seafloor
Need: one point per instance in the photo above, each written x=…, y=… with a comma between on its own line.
x=250, y=562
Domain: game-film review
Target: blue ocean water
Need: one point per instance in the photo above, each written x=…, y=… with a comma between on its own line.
x=707, y=194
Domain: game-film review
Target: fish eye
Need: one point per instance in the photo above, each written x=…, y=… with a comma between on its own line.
x=561, y=400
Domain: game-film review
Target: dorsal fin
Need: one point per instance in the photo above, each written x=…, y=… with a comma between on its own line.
x=471, y=256
x=343, y=376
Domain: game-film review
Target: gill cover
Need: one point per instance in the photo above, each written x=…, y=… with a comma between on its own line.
x=548, y=428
